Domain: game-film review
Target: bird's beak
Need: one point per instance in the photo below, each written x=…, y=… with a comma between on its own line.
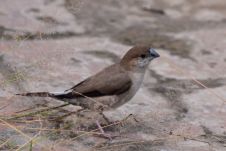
x=153, y=53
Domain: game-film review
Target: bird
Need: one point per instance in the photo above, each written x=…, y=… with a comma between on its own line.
x=110, y=88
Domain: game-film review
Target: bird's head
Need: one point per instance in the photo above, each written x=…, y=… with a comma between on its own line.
x=139, y=57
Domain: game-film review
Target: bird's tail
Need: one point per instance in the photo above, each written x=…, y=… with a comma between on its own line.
x=57, y=95
x=37, y=94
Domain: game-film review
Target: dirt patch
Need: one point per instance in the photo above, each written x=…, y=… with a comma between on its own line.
x=34, y=10
x=38, y=36
x=50, y=20
x=103, y=55
x=186, y=85
x=173, y=90
x=138, y=146
x=206, y=52
x=12, y=77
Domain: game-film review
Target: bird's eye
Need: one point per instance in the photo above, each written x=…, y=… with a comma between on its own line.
x=143, y=56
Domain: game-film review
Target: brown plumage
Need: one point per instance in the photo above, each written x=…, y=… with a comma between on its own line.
x=111, y=87
x=135, y=52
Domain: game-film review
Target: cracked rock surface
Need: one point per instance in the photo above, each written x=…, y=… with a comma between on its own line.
x=50, y=45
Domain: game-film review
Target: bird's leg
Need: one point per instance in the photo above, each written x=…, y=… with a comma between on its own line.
x=121, y=122
x=102, y=131
x=105, y=118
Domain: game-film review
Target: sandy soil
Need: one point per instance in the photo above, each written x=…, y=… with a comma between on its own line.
x=50, y=45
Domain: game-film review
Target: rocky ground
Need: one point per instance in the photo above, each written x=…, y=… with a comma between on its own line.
x=50, y=45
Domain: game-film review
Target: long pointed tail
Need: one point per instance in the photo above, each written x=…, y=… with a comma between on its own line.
x=56, y=95
x=38, y=94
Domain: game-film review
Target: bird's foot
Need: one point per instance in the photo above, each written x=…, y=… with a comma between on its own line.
x=105, y=118
x=103, y=134
x=119, y=122
x=131, y=116
x=123, y=121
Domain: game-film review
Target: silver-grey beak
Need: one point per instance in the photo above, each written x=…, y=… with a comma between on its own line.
x=153, y=53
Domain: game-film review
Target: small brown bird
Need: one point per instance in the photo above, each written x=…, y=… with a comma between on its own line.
x=111, y=87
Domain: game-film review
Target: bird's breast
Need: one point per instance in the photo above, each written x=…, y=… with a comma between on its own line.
x=137, y=79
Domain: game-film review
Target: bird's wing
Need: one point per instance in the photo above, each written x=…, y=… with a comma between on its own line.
x=111, y=81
